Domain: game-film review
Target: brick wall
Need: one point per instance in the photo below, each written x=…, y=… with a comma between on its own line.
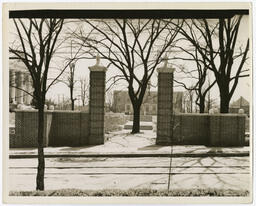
x=69, y=128
x=26, y=123
x=66, y=128
x=212, y=130
x=62, y=128
x=191, y=129
x=227, y=130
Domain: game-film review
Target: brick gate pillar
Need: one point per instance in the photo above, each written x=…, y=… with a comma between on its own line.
x=97, y=103
x=165, y=104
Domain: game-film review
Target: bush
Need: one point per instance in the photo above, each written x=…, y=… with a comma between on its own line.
x=133, y=192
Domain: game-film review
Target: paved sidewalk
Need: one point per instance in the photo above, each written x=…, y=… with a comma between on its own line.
x=124, y=144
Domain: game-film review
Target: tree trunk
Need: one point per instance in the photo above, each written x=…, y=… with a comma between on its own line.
x=34, y=101
x=224, y=103
x=224, y=98
x=41, y=163
x=72, y=104
x=71, y=98
x=136, y=119
x=201, y=104
x=191, y=105
x=209, y=103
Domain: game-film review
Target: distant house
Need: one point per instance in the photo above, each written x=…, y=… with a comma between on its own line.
x=122, y=102
x=241, y=103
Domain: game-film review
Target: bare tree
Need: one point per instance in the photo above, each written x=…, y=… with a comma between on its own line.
x=210, y=101
x=217, y=44
x=198, y=75
x=71, y=84
x=68, y=78
x=133, y=46
x=36, y=46
x=189, y=99
x=84, y=88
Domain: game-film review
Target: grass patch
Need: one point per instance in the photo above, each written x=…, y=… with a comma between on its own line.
x=133, y=192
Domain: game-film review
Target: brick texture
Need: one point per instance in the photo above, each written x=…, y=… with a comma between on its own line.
x=212, y=130
x=227, y=130
x=96, y=107
x=72, y=129
x=62, y=128
x=164, y=108
x=69, y=129
x=26, y=123
x=191, y=129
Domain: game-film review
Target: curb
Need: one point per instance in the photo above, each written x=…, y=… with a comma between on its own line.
x=132, y=155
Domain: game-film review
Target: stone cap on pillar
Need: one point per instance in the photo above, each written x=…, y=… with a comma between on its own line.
x=165, y=68
x=97, y=67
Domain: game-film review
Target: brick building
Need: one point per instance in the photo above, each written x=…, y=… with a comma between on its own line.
x=241, y=103
x=122, y=102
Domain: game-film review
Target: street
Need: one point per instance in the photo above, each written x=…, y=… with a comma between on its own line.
x=124, y=173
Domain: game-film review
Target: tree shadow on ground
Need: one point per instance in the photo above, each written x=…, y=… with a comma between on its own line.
x=77, y=148
x=151, y=147
x=222, y=179
x=82, y=160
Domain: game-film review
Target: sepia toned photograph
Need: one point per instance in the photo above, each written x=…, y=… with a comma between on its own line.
x=123, y=100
